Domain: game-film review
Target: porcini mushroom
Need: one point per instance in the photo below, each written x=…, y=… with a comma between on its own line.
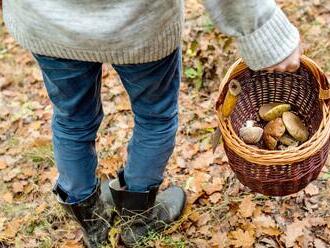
x=295, y=126
x=272, y=132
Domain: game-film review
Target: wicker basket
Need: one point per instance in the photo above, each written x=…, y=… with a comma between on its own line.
x=277, y=172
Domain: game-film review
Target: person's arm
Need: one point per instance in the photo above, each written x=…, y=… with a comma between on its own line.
x=266, y=39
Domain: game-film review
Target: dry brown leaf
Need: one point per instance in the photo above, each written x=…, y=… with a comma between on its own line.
x=41, y=141
x=311, y=189
x=196, y=182
x=215, y=186
x=202, y=160
x=203, y=219
x=204, y=230
x=194, y=216
x=201, y=243
x=189, y=150
x=318, y=243
x=10, y=175
x=72, y=244
x=109, y=166
x=8, y=197
x=241, y=238
x=11, y=229
x=122, y=103
x=18, y=187
x=3, y=165
x=266, y=225
x=219, y=240
x=293, y=232
x=214, y=198
x=247, y=207
x=29, y=171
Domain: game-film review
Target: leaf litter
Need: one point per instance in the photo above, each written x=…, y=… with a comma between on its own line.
x=220, y=212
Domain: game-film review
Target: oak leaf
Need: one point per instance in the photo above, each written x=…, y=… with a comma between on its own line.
x=247, y=207
x=293, y=232
x=241, y=238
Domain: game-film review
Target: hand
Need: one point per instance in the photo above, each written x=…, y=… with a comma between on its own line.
x=290, y=64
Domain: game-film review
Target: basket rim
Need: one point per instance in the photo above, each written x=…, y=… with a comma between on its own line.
x=265, y=157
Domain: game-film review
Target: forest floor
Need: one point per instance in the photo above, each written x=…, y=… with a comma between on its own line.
x=220, y=212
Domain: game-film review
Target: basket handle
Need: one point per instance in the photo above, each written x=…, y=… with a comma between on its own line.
x=324, y=91
x=239, y=66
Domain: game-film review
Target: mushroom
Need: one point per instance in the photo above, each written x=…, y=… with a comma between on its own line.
x=250, y=134
x=271, y=111
x=231, y=97
x=295, y=126
x=287, y=140
x=272, y=132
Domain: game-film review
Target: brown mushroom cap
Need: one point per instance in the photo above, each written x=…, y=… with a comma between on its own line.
x=271, y=111
x=270, y=142
x=272, y=132
x=295, y=126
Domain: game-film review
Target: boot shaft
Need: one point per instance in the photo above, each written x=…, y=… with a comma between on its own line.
x=129, y=202
x=90, y=213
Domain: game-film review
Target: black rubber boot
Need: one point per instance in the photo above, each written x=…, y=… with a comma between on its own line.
x=143, y=212
x=91, y=214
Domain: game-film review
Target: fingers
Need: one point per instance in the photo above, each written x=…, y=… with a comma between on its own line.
x=293, y=66
x=290, y=64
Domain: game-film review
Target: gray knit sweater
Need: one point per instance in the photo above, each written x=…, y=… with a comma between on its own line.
x=139, y=31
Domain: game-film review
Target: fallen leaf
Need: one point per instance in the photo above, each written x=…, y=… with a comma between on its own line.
x=266, y=225
x=293, y=232
x=18, y=187
x=11, y=174
x=72, y=244
x=219, y=240
x=202, y=160
x=203, y=219
x=196, y=182
x=3, y=165
x=216, y=185
x=311, y=190
x=247, y=207
x=204, y=230
x=214, y=198
x=109, y=166
x=240, y=238
x=318, y=243
x=194, y=216
x=8, y=197
x=11, y=229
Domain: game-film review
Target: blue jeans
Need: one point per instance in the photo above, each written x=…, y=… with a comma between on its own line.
x=74, y=89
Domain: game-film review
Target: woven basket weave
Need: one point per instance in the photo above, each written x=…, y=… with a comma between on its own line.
x=277, y=172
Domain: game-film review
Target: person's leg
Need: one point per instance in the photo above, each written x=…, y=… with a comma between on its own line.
x=74, y=89
x=153, y=89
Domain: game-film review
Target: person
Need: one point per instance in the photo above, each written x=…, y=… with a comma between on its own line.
x=141, y=39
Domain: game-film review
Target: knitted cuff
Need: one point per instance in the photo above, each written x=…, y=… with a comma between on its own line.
x=270, y=44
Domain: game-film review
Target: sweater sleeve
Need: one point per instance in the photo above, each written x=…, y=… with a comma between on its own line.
x=263, y=33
